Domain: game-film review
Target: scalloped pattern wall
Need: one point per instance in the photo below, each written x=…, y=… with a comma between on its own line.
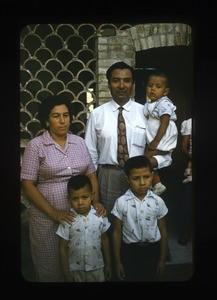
x=58, y=59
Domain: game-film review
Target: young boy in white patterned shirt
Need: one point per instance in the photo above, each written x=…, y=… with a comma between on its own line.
x=84, y=244
x=139, y=234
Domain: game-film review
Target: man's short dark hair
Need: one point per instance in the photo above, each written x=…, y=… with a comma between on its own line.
x=119, y=65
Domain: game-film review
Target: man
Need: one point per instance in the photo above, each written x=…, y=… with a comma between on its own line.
x=102, y=133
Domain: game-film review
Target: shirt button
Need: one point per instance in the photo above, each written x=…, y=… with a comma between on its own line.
x=69, y=168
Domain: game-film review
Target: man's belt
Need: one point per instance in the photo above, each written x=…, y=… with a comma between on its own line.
x=108, y=166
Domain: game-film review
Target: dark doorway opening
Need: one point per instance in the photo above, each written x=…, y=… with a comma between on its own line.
x=178, y=63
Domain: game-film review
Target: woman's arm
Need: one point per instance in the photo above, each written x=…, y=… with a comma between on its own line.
x=185, y=146
x=29, y=186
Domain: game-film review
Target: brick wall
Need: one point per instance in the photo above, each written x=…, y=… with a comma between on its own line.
x=123, y=45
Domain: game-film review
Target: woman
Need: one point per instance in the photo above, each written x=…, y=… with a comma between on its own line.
x=48, y=162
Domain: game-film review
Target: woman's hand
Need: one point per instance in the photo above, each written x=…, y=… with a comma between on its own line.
x=62, y=216
x=100, y=209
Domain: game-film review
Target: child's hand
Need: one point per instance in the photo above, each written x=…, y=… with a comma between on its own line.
x=120, y=271
x=160, y=267
x=108, y=272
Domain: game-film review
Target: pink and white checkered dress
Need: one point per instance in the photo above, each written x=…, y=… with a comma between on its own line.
x=47, y=163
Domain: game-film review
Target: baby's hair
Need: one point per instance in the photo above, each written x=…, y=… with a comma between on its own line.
x=158, y=73
x=137, y=162
x=77, y=182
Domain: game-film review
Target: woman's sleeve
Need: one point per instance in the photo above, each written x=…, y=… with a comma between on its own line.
x=30, y=162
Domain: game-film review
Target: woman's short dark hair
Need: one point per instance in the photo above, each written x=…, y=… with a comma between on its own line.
x=119, y=65
x=48, y=104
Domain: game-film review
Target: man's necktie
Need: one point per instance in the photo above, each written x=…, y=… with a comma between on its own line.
x=122, y=140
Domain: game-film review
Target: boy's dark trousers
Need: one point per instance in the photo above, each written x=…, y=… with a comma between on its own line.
x=140, y=261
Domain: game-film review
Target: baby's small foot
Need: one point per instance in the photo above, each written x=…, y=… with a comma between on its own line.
x=188, y=179
x=159, y=188
x=187, y=172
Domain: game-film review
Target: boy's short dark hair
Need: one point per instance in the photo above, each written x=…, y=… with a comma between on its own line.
x=79, y=181
x=137, y=162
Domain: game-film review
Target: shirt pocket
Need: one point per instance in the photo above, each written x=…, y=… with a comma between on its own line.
x=139, y=136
